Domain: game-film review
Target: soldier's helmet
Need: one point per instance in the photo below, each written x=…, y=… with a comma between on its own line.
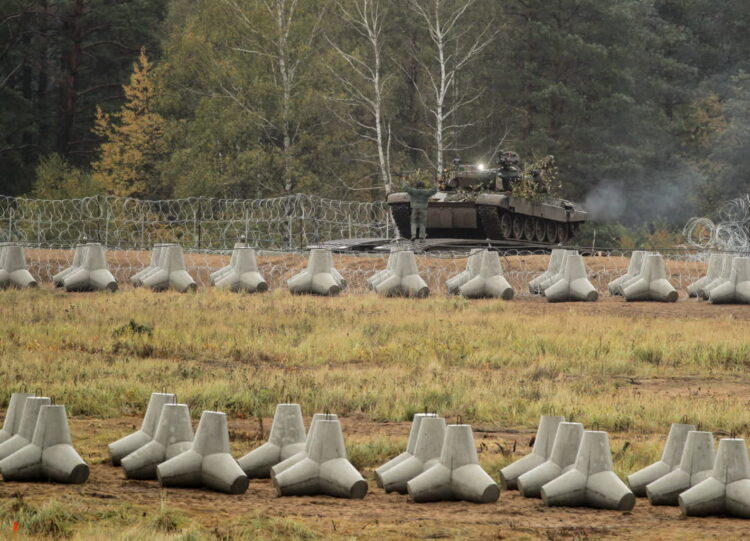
x=509, y=159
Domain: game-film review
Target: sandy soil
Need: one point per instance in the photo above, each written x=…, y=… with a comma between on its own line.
x=382, y=515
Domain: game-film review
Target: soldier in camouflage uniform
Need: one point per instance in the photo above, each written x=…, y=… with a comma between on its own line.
x=419, y=195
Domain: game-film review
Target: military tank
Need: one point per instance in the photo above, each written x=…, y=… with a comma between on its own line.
x=473, y=202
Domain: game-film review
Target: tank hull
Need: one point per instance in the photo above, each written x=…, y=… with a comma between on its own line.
x=496, y=216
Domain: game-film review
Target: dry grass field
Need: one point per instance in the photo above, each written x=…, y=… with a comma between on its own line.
x=630, y=369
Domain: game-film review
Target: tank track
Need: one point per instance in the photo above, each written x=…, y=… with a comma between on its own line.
x=401, y=213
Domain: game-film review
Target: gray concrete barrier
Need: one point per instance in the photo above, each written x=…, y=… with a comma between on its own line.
x=287, y=438
x=124, y=446
x=543, y=443
x=93, y=273
x=78, y=256
x=208, y=462
x=243, y=274
x=696, y=465
x=13, y=415
x=727, y=490
x=137, y=278
x=457, y=475
x=13, y=271
x=174, y=435
x=473, y=264
x=670, y=459
x=573, y=284
x=170, y=272
x=651, y=283
x=723, y=273
x=715, y=262
x=317, y=278
x=553, y=269
x=592, y=481
x=561, y=460
x=615, y=287
x=404, y=280
x=298, y=457
x=489, y=281
x=411, y=443
x=25, y=434
x=736, y=290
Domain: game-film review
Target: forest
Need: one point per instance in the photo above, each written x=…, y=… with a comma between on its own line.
x=645, y=104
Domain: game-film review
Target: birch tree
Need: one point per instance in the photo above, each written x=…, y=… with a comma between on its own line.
x=453, y=45
x=364, y=84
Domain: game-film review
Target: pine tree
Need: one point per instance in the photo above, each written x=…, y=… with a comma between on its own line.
x=133, y=140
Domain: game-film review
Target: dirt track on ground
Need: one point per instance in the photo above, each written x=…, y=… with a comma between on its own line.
x=382, y=515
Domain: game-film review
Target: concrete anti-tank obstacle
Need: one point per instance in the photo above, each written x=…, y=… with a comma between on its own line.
x=174, y=435
x=555, y=278
x=317, y=278
x=219, y=274
x=325, y=469
x=25, y=434
x=561, y=460
x=13, y=270
x=724, y=272
x=137, y=278
x=696, y=465
x=208, y=462
x=335, y=273
x=543, y=443
x=124, y=446
x=243, y=274
x=490, y=282
x=171, y=272
x=78, y=256
x=591, y=482
x=615, y=287
x=410, y=445
x=381, y=275
x=300, y=456
x=737, y=289
x=553, y=268
x=670, y=460
x=50, y=456
x=14, y=415
x=93, y=273
x=574, y=284
x=473, y=265
x=287, y=438
x=727, y=490
x=457, y=475
x=713, y=271
x=404, y=279
x=427, y=451
x=652, y=283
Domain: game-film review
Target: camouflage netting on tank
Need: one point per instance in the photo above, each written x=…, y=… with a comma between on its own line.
x=290, y=222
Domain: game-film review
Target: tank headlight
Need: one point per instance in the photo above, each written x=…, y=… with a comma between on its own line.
x=480, y=167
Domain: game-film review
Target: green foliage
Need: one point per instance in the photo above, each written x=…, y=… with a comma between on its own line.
x=58, y=179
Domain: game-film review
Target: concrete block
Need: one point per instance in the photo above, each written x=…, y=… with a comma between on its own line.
x=615, y=287
x=317, y=278
x=670, y=460
x=13, y=271
x=50, y=456
x=25, y=434
x=208, y=463
x=591, y=482
x=219, y=274
x=170, y=272
x=174, y=435
x=696, y=465
x=243, y=274
x=727, y=490
x=457, y=475
x=553, y=269
x=93, y=274
x=561, y=460
x=540, y=453
x=552, y=279
x=573, y=285
x=723, y=275
x=715, y=262
x=124, y=446
x=78, y=256
x=14, y=415
x=736, y=290
x=301, y=455
x=137, y=278
x=490, y=281
x=411, y=443
x=473, y=264
x=427, y=451
x=336, y=274
x=287, y=438
x=379, y=276
x=652, y=283
x=404, y=279
x=325, y=468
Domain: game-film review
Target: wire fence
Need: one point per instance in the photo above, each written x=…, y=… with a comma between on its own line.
x=290, y=222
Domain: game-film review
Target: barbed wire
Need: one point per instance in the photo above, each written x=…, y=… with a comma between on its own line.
x=730, y=232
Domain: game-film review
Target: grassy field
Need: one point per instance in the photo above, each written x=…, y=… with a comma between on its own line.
x=628, y=369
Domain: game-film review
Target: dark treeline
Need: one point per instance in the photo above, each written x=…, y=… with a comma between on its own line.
x=644, y=103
